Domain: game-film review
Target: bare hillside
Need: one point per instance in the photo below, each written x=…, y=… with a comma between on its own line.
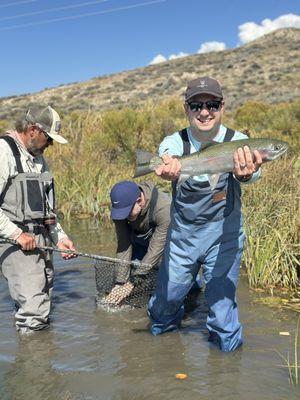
x=265, y=69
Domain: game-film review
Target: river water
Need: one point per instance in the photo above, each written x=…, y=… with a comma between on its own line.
x=92, y=354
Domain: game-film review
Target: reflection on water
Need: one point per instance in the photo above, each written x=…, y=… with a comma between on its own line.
x=31, y=375
x=92, y=354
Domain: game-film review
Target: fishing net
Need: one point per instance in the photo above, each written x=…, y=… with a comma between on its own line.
x=134, y=293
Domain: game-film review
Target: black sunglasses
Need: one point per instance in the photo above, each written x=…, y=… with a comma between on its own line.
x=210, y=105
x=49, y=139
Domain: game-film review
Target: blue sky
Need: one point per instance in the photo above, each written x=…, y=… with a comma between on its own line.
x=45, y=43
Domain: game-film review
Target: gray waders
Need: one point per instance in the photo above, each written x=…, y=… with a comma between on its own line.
x=27, y=201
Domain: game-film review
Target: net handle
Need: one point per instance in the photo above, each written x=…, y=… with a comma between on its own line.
x=80, y=254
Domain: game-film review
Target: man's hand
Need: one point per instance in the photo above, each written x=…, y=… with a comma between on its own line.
x=170, y=169
x=246, y=163
x=119, y=293
x=26, y=241
x=66, y=244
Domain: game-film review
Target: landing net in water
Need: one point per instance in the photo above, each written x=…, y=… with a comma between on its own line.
x=135, y=293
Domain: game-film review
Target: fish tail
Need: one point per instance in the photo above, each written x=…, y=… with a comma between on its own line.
x=145, y=163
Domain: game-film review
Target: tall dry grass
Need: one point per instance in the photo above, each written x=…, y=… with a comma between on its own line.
x=271, y=210
x=271, y=206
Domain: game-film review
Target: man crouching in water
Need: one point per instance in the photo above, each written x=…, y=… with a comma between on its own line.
x=141, y=214
x=27, y=216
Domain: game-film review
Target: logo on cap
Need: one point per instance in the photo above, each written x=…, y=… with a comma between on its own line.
x=57, y=126
x=202, y=84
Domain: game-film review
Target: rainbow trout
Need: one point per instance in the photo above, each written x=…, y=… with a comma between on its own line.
x=213, y=160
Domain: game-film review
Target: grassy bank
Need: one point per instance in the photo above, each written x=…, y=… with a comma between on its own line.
x=102, y=151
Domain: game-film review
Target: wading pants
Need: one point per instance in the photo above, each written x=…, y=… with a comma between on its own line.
x=217, y=246
x=30, y=280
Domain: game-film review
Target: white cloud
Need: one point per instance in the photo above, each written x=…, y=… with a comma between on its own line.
x=205, y=48
x=179, y=55
x=247, y=32
x=211, y=46
x=250, y=30
x=158, y=59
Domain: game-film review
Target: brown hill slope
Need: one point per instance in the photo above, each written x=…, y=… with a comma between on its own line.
x=265, y=69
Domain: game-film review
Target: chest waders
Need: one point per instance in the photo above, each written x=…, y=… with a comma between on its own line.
x=205, y=229
x=28, y=201
x=193, y=196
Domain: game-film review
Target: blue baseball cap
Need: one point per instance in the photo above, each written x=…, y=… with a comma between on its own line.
x=123, y=195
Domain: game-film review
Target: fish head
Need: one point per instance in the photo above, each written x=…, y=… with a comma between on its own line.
x=270, y=149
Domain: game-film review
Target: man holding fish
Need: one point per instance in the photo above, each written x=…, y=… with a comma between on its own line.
x=206, y=220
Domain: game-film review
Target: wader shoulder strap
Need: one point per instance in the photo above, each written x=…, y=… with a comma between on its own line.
x=16, y=153
x=185, y=140
x=152, y=205
x=229, y=135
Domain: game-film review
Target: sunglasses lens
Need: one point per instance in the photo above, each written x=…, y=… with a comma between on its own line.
x=195, y=107
x=49, y=139
x=213, y=105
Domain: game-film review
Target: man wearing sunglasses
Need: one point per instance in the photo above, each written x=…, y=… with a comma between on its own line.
x=206, y=224
x=27, y=216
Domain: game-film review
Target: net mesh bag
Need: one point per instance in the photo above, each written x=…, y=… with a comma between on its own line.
x=134, y=293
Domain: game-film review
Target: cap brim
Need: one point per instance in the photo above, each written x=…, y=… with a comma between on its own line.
x=57, y=138
x=120, y=213
x=217, y=95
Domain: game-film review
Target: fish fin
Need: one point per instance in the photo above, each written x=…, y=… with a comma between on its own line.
x=213, y=180
x=182, y=178
x=145, y=163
